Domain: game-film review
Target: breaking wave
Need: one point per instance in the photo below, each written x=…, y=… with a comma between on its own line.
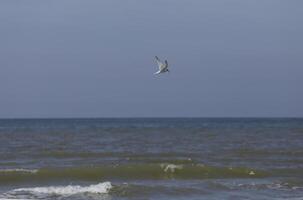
x=62, y=191
x=130, y=171
x=18, y=170
x=100, y=188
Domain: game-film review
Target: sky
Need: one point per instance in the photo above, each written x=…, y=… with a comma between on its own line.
x=227, y=58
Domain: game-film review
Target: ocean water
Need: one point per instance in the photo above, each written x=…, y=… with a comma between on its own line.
x=152, y=158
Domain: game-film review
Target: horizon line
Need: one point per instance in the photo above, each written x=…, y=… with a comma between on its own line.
x=166, y=117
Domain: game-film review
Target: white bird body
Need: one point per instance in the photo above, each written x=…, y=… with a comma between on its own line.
x=163, y=67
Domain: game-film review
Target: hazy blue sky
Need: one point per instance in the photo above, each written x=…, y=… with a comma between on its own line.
x=71, y=58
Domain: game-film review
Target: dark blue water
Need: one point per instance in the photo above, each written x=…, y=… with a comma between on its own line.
x=151, y=158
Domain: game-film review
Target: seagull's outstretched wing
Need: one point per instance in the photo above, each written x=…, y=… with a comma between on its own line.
x=160, y=64
x=158, y=72
x=166, y=64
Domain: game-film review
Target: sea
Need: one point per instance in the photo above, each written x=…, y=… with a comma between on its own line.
x=151, y=158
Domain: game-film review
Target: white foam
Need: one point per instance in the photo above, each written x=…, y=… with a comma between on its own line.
x=252, y=173
x=15, y=199
x=170, y=167
x=20, y=170
x=68, y=190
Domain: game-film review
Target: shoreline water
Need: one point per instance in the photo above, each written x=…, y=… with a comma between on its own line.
x=179, y=158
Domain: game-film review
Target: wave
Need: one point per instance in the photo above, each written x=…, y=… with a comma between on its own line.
x=127, y=155
x=19, y=170
x=29, y=193
x=11, y=198
x=68, y=190
x=170, y=157
x=106, y=190
x=130, y=171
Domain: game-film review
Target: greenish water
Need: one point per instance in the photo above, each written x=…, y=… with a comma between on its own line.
x=152, y=158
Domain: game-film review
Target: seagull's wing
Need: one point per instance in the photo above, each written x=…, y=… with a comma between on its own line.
x=158, y=72
x=160, y=64
x=166, y=64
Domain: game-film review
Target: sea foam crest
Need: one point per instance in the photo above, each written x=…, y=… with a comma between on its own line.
x=100, y=188
x=14, y=199
x=170, y=167
x=20, y=170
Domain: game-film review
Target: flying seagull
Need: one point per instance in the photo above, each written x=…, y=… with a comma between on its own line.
x=163, y=67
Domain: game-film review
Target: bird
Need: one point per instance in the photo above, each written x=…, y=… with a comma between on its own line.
x=163, y=67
